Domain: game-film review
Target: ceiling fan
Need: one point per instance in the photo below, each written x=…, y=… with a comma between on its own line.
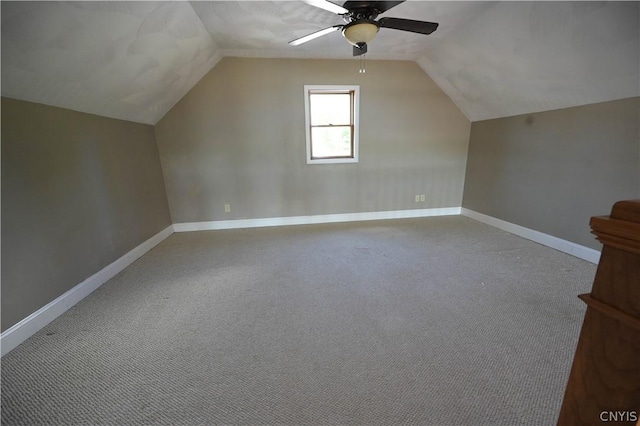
x=361, y=27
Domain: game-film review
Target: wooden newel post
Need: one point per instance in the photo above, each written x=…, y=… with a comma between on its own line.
x=604, y=384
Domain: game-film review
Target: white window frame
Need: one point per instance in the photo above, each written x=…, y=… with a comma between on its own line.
x=356, y=121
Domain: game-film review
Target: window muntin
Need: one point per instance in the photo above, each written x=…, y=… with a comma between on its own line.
x=331, y=114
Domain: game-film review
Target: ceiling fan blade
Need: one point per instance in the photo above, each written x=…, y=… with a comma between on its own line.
x=315, y=35
x=327, y=5
x=379, y=6
x=420, y=27
x=360, y=49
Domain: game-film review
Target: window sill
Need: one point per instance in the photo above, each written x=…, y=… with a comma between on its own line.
x=332, y=160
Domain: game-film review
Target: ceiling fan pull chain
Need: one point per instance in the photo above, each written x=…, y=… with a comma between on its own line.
x=362, y=64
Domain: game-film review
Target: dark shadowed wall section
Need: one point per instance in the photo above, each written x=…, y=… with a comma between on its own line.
x=551, y=171
x=78, y=192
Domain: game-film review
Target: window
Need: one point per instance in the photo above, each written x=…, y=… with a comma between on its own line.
x=331, y=118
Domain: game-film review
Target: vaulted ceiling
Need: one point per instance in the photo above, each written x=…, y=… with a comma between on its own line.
x=134, y=60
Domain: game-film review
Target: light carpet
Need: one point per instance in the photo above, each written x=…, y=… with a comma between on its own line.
x=430, y=321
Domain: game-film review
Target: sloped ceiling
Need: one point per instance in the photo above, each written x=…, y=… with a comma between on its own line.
x=127, y=60
x=135, y=60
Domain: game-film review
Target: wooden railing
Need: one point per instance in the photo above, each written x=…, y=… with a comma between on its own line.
x=604, y=383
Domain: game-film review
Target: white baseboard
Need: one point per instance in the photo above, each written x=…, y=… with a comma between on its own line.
x=24, y=329
x=307, y=220
x=577, y=250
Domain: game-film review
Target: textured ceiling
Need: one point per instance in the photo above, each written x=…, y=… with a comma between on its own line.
x=128, y=60
x=135, y=60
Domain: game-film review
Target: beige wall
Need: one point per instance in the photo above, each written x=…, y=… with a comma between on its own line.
x=78, y=192
x=552, y=171
x=238, y=137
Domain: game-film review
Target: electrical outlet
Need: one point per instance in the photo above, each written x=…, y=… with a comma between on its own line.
x=227, y=208
x=417, y=198
x=422, y=197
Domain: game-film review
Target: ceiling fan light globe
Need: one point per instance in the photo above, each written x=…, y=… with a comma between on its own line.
x=360, y=32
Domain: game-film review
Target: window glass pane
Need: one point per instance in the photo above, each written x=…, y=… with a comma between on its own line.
x=334, y=108
x=332, y=141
